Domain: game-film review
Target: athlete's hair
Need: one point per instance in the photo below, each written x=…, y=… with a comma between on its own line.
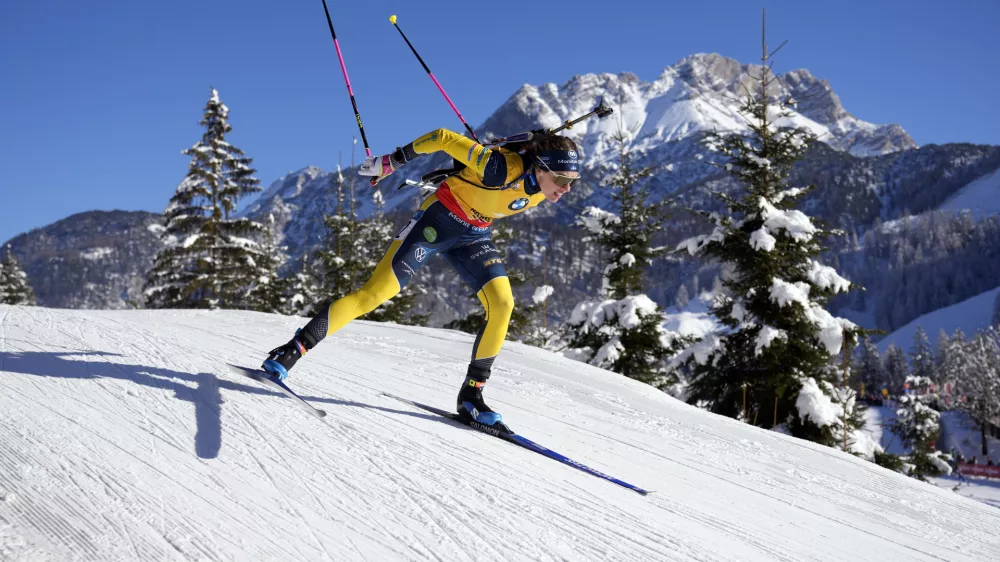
x=550, y=142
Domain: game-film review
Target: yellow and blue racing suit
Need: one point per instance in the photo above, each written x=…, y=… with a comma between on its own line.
x=454, y=222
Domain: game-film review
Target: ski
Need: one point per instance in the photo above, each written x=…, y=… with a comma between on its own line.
x=501, y=431
x=262, y=377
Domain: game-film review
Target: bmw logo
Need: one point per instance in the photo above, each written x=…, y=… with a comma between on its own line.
x=518, y=204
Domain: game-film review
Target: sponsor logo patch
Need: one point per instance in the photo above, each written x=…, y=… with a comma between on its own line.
x=493, y=261
x=480, y=217
x=432, y=137
x=430, y=234
x=420, y=253
x=518, y=204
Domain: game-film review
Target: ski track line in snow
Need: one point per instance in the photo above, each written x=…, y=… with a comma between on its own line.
x=45, y=406
x=41, y=518
x=716, y=474
x=712, y=521
x=394, y=484
x=274, y=483
x=832, y=454
x=473, y=434
x=644, y=449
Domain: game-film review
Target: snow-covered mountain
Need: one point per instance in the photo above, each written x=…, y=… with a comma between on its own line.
x=96, y=259
x=123, y=437
x=700, y=93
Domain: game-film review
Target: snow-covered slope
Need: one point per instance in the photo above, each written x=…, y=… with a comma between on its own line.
x=970, y=315
x=123, y=437
x=982, y=197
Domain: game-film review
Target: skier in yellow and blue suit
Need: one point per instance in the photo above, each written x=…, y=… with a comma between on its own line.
x=455, y=222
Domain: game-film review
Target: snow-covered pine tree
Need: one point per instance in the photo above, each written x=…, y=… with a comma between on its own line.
x=776, y=336
x=978, y=381
x=953, y=357
x=537, y=331
x=14, y=286
x=210, y=256
x=831, y=415
x=897, y=369
x=302, y=295
x=868, y=368
x=940, y=355
x=918, y=426
x=342, y=261
x=269, y=291
x=624, y=331
x=374, y=236
x=922, y=355
x=683, y=297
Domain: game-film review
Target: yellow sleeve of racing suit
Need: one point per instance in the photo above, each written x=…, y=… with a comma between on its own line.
x=495, y=166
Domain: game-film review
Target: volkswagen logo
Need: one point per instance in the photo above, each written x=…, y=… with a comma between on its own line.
x=420, y=253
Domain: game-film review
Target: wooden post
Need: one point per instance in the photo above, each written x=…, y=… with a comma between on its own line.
x=744, y=401
x=843, y=384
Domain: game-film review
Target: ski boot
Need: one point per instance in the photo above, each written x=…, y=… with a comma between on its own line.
x=470, y=399
x=283, y=358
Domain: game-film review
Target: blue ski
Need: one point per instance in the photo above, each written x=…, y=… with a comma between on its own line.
x=263, y=377
x=503, y=432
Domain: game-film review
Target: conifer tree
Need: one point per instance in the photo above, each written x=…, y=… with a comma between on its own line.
x=14, y=286
x=896, y=369
x=954, y=360
x=918, y=426
x=940, y=355
x=868, y=368
x=342, y=261
x=977, y=380
x=683, y=297
x=624, y=332
x=269, y=291
x=210, y=257
x=776, y=334
x=832, y=415
x=922, y=355
x=302, y=295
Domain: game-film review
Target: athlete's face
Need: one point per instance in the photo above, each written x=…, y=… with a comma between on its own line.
x=556, y=184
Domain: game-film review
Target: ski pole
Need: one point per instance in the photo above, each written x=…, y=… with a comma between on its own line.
x=392, y=19
x=343, y=67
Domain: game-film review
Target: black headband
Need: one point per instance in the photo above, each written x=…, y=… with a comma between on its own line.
x=559, y=160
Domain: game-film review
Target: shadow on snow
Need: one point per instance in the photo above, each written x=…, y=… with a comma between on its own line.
x=203, y=390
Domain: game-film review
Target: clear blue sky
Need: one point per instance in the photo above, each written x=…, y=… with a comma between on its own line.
x=97, y=99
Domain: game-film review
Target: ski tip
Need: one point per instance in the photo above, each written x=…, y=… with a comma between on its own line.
x=392, y=19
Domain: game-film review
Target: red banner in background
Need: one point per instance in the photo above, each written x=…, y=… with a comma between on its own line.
x=979, y=470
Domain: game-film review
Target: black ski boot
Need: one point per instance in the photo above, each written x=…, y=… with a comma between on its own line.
x=283, y=358
x=470, y=398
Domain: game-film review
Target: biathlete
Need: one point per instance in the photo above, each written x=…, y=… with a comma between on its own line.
x=455, y=222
